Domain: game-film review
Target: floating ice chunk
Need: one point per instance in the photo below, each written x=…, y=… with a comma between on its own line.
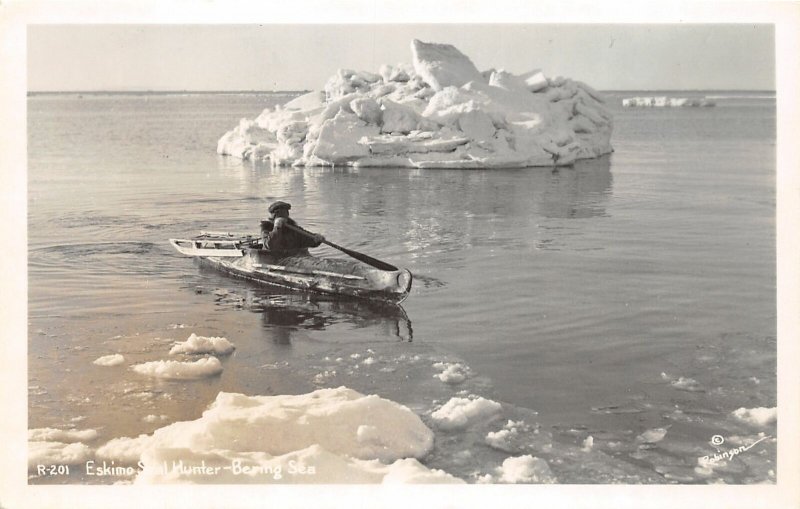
x=683, y=383
x=58, y=435
x=460, y=413
x=686, y=384
x=760, y=416
x=154, y=418
x=174, y=370
x=110, y=360
x=322, y=378
x=652, y=436
x=506, y=438
x=452, y=373
x=201, y=345
x=524, y=469
x=500, y=439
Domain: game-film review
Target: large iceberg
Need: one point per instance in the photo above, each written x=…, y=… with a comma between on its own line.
x=439, y=112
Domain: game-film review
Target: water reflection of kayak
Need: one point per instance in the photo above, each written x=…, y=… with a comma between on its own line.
x=284, y=308
x=304, y=272
x=310, y=311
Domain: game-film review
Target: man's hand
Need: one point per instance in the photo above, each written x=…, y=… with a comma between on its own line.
x=318, y=238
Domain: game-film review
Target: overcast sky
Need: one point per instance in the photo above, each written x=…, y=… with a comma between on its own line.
x=295, y=57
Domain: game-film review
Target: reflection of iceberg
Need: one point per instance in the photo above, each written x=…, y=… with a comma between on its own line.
x=439, y=113
x=667, y=102
x=578, y=192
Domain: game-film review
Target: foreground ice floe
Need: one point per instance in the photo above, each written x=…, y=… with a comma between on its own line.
x=439, y=112
x=326, y=436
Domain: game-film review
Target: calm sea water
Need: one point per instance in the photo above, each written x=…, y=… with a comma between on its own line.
x=582, y=293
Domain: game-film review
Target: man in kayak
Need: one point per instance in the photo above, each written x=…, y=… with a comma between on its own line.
x=278, y=237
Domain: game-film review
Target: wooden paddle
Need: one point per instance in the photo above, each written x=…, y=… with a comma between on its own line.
x=355, y=254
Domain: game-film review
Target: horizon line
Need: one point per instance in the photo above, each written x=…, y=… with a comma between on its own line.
x=301, y=91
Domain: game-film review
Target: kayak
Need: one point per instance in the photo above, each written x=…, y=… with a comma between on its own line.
x=242, y=256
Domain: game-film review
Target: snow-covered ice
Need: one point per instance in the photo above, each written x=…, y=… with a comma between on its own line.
x=452, y=372
x=124, y=449
x=760, y=416
x=51, y=446
x=174, y=370
x=524, y=469
x=110, y=360
x=460, y=413
x=59, y=435
x=338, y=435
x=200, y=345
x=505, y=438
x=57, y=453
x=439, y=112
